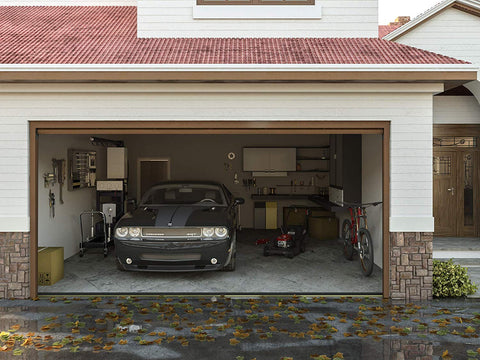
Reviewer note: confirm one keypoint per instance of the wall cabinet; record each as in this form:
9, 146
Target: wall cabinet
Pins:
269, 159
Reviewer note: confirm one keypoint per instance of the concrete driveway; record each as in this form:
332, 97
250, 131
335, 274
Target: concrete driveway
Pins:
241, 328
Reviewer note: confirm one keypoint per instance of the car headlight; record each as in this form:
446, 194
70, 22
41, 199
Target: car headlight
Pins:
121, 232
221, 232
134, 232
208, 232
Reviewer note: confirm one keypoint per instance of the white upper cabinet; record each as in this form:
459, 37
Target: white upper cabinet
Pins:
257, 18
269, 159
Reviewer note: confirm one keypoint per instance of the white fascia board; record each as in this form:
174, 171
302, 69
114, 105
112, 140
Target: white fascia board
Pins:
268, 12
239, 67
428, 14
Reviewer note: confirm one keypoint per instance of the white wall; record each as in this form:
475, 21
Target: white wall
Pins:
203, 157
340, 18
407, 106
372, 186
456, 110
64, 229
453, 33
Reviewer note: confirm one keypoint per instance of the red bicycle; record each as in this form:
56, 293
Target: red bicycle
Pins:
357, 238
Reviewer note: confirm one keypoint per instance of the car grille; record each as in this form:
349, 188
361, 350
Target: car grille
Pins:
172, 233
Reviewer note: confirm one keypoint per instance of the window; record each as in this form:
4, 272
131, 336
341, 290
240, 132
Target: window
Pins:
255, 2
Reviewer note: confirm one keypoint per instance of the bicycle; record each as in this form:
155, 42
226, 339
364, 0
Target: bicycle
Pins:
358, 238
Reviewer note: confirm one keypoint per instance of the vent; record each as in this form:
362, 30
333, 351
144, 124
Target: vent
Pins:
190, 233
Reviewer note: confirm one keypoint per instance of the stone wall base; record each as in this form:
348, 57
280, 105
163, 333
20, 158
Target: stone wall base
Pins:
411, 266
14, 265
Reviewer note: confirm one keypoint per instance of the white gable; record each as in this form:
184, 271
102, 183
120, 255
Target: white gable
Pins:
452, 32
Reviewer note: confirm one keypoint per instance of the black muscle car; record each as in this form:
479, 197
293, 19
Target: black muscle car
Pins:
179, 226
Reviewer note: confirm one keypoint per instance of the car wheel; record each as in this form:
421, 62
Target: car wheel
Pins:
231, 265
119, 265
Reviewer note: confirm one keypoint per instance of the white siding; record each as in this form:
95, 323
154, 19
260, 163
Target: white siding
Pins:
411, 178
340, 18
456, 110
452, 32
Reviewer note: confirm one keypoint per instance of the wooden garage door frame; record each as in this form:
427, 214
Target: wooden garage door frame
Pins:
206, 127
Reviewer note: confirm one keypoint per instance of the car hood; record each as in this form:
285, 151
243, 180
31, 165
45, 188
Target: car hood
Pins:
176, 216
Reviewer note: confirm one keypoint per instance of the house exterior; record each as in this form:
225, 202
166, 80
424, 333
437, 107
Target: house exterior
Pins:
215, 67
451, 28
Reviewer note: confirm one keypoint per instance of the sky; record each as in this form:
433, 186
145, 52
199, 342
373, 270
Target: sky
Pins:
390, 9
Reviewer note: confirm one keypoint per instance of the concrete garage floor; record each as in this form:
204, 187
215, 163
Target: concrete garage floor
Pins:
322, 269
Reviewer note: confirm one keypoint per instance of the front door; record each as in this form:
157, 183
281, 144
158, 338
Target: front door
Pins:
444, 192
455, 194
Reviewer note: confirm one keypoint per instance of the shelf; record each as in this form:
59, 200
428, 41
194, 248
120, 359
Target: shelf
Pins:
296, 185
309, 158
311, 171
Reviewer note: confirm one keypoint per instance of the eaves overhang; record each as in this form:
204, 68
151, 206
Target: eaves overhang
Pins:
88, 73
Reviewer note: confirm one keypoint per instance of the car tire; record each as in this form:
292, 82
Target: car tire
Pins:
119, 265
231, 265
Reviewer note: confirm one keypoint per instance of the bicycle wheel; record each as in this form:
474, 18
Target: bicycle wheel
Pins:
366, 251
347, 239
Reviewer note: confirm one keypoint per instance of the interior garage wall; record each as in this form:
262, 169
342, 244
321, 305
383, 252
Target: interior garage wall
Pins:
372, 190
456, 110
204, 157
64, 229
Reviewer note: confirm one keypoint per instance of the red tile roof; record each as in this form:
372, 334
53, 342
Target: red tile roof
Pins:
384, 30
108, 35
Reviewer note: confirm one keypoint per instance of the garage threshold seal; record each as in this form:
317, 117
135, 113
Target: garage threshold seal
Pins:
195, 294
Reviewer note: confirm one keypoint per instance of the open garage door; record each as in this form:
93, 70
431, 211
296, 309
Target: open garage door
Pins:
283, 171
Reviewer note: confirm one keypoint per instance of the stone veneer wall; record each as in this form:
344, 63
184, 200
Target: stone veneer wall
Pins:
14, 265
411, 266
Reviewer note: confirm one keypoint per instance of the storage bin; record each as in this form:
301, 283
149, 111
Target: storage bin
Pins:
323, 227
50, 265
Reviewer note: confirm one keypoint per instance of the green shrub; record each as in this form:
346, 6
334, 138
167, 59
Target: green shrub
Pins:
451, 280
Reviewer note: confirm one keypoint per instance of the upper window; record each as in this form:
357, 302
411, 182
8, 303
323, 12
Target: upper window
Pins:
255, 2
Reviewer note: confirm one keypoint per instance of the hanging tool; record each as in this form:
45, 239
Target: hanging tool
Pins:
59, 170
51, 203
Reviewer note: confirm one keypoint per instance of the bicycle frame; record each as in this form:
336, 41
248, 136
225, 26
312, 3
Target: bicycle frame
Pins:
357, 214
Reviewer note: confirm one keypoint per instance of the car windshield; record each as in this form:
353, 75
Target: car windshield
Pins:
170, 194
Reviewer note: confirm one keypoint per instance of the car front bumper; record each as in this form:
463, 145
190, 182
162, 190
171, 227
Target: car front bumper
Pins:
173, 256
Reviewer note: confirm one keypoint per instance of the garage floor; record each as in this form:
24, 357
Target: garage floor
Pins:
321, 269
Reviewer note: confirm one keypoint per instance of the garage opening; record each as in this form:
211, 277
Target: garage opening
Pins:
89, 179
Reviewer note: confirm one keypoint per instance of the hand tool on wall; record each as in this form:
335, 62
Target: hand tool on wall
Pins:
59, 169
51, 203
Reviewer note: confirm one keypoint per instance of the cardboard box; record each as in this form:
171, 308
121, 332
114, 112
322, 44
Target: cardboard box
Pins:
50, 265
323, 228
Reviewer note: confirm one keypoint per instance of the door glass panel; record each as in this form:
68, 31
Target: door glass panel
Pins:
442, 165
468, 189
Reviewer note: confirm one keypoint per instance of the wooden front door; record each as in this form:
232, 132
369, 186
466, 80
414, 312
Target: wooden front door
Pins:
455, 194
445, 192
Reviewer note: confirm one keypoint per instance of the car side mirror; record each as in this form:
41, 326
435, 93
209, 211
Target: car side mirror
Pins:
239, 201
